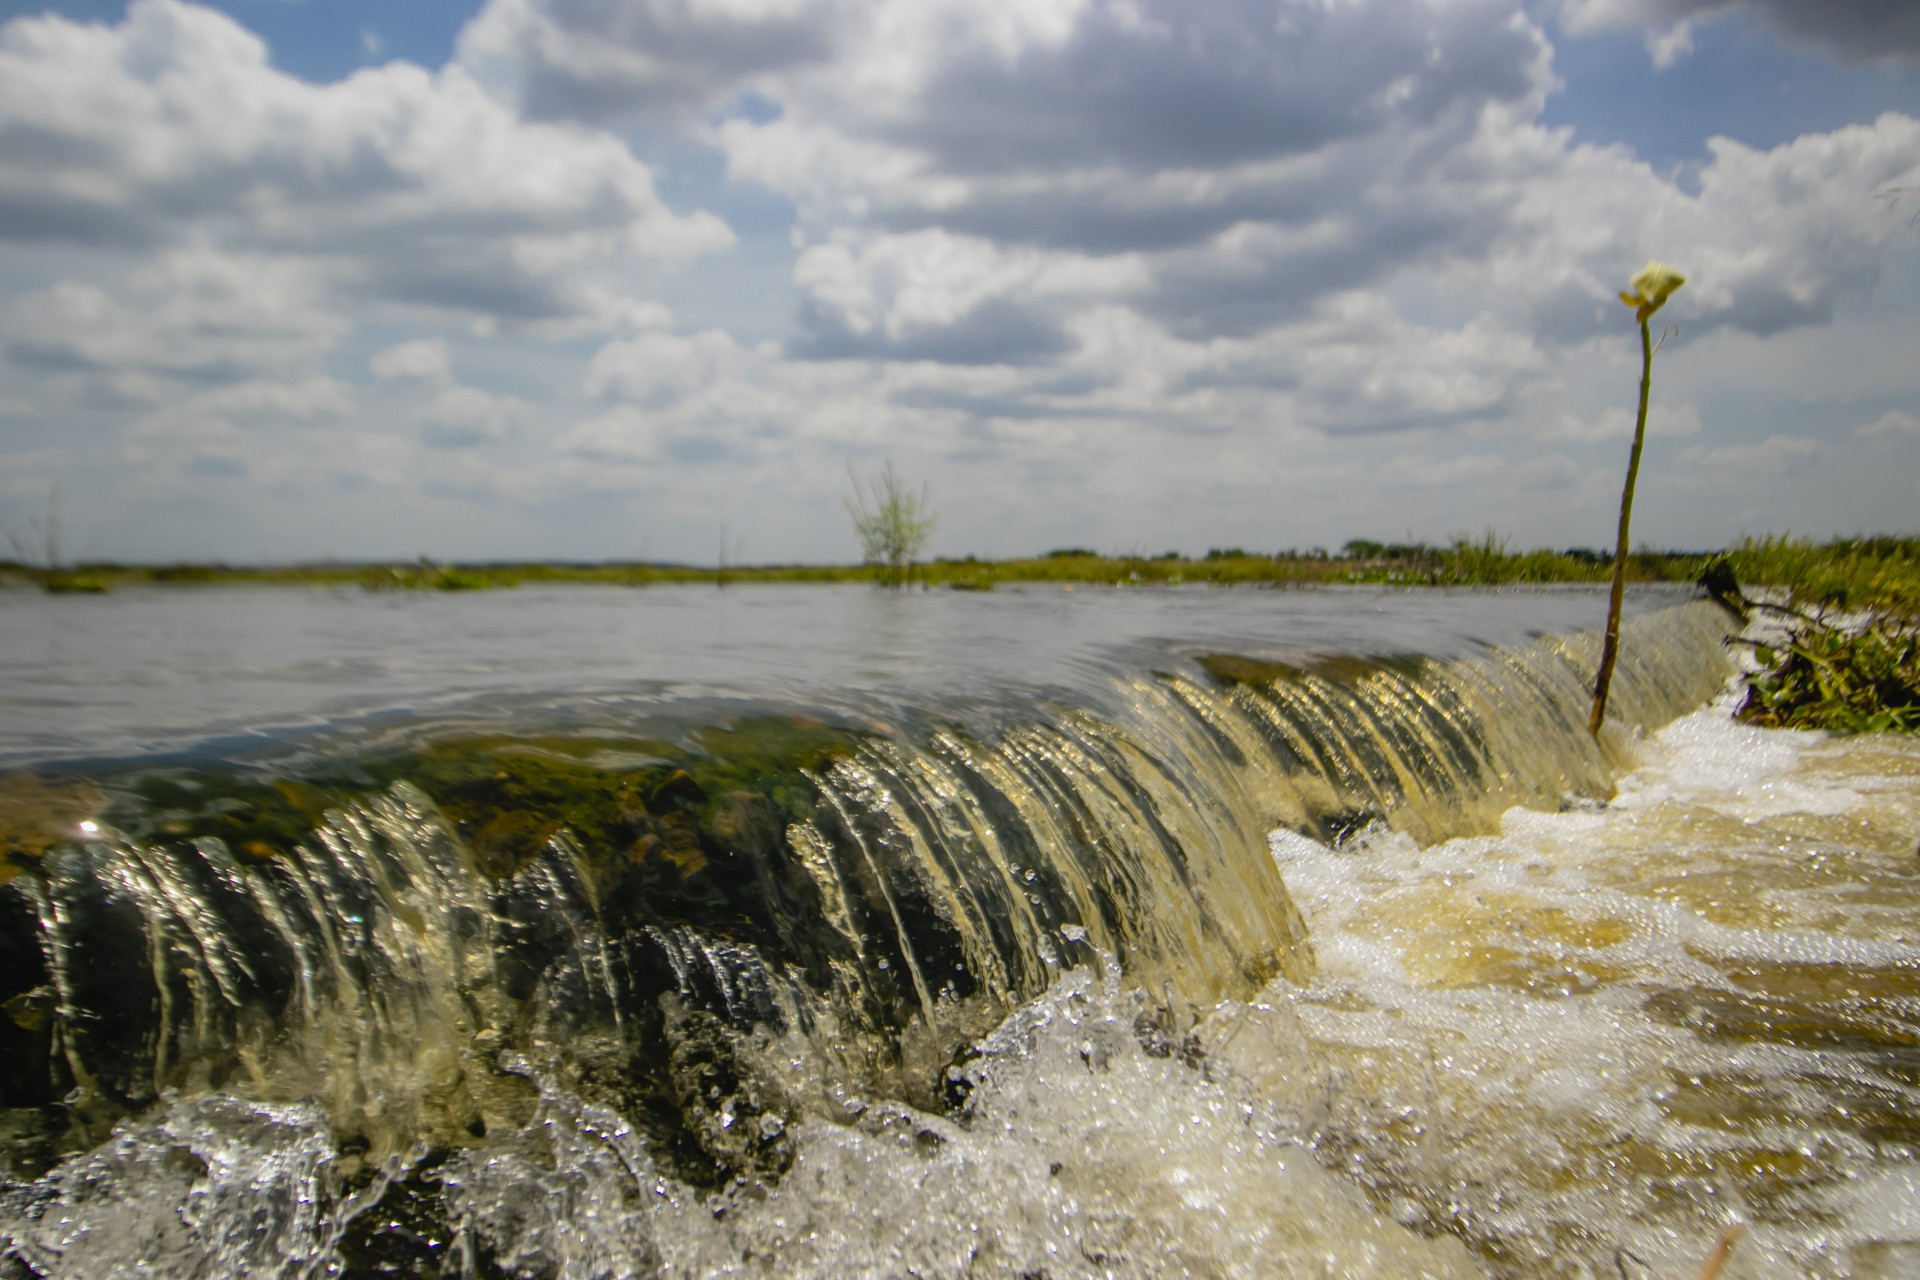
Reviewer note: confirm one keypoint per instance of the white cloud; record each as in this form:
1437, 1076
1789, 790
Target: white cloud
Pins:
25, 475
935, 295
407, 187
1897, 422
461, 417
191, 313
292, 435
1664, 422
1256, 271
1772, 240
421, 360
590, 59
657, 367
1868, 30
952, 159
312, 399
1776, 454
1364, 367
1475, 471
1670, 45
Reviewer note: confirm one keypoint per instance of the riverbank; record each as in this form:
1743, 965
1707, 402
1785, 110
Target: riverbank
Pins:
1462, 563
1876, 571
1837, 646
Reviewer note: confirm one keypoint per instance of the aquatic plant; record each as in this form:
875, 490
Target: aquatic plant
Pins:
1652, 286
1851, 658
893, 532
1845, 680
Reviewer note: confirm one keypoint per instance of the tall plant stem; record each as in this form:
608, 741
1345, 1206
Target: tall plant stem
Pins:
1610, 648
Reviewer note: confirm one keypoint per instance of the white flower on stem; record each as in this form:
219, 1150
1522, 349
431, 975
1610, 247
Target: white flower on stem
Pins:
1652, 285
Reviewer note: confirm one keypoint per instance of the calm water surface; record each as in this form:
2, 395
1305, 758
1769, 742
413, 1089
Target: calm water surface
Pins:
163, 669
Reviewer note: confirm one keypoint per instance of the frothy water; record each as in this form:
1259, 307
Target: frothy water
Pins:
1040, 998
1585, 1043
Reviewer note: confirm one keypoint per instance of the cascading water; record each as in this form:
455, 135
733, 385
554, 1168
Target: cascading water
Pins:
951, 1000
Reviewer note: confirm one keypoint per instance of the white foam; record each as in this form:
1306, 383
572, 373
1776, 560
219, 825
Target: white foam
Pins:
1599, 1035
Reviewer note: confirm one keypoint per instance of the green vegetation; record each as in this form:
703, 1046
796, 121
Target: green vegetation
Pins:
1462, 562
1875, 575
1865, 681
428, 576
38, 546
893, 532
1851, 658
1864, 573
61, 582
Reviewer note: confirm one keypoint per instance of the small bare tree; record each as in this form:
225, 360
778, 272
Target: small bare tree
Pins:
38, 546
894, 529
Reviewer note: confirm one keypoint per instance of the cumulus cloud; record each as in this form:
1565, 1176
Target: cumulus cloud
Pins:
705, 398
243, 430
1671, 45
1897, 422
312, 399
191, 313
657, 367
939, 296
1130, 265
1862, 30
408, 187
1117, 126
931, 164
1771, 240
1777, 453
462, 417
1473, 471
1664, 422
421, 360
596, 59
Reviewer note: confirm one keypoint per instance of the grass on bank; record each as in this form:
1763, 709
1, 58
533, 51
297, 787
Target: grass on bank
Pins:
1850, 662
1463, 562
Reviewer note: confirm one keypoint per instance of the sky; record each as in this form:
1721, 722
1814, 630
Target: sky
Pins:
611, 279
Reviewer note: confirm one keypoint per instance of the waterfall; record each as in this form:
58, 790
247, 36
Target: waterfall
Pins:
845, 925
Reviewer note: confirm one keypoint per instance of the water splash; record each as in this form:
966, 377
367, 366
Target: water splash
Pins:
1587, 1042
732, 1003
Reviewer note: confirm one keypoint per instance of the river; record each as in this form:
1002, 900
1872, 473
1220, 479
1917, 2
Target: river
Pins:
586, 932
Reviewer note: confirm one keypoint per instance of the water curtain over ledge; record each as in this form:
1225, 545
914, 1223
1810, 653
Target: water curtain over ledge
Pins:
703, 960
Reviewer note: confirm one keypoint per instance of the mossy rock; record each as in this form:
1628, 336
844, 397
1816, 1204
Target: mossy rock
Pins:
37, 813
